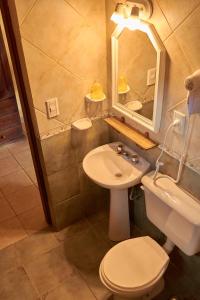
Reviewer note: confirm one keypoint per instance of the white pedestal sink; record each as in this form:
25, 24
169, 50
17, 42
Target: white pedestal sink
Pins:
113, 171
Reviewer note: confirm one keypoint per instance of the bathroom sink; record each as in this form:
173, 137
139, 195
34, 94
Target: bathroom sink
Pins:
113, 171
116, 167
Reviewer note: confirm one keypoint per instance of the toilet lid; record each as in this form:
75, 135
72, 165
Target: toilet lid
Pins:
134, 263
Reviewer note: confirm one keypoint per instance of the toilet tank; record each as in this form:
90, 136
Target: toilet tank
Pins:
175, 212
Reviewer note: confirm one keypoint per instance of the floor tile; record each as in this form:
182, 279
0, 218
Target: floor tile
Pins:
48, 270
18, 146
15, 285
4, 152
35, 245
30, 171
8, 165
24, 159
9, 259
24, 199
74, 288
33, 220
14, 181
93, 281
85, 250
72, 230
11, 231
6, 211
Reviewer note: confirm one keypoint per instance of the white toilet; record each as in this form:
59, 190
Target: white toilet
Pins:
134, 268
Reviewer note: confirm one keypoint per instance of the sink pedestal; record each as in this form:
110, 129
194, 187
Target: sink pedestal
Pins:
119, 223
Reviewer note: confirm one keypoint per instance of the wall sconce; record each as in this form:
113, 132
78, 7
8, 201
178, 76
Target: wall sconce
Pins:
130, 13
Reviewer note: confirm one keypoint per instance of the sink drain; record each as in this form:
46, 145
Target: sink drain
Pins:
118, 175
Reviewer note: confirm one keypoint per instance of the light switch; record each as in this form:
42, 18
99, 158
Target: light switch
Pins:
151, 76
52, 107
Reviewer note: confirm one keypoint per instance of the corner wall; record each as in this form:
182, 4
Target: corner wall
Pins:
64, 44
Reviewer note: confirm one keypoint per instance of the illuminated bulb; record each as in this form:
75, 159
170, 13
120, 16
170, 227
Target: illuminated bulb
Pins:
133, 23
117, 18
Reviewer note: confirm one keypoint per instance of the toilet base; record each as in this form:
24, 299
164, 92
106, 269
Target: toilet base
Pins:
149, 296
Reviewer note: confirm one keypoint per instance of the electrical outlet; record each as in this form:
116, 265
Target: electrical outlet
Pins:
180, 127
52, 107
151, 76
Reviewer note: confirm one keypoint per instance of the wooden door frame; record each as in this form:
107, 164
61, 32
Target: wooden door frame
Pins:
9, 15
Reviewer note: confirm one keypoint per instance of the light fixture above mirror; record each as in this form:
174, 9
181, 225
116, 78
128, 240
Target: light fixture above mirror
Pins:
129, 13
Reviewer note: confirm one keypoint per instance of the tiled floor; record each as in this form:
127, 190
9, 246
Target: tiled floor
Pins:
21, 212
56, 266
38, 264
64, 265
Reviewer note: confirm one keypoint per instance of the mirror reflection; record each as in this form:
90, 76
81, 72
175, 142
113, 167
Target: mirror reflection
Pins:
136, 72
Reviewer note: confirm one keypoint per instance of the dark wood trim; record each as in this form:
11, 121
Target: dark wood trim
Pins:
9, 16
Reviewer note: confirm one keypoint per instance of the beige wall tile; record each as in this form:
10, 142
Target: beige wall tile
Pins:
23, 8
69, 211
84, 141
65, 153
51, 80
178, 70
177, 11
159, 21
46, 125
188, 37
48, 26
64, 184
86, 55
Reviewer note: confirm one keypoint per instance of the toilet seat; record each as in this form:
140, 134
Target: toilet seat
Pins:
133, 265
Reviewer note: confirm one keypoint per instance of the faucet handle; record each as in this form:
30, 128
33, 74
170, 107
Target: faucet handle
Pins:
120, 149
135, 158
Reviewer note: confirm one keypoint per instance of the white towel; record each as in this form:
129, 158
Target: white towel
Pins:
192, 84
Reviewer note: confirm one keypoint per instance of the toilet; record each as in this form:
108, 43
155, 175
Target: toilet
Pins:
134, 268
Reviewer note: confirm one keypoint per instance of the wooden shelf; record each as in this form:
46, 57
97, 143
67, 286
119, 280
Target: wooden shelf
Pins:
130, 133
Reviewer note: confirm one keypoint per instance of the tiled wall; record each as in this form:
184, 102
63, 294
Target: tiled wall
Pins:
64, 43
72, 195
178, 24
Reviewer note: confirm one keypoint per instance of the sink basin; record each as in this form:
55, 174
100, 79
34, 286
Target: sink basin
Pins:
110, 170
118, 173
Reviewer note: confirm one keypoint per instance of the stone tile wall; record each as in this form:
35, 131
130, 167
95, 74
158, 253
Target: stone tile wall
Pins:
177, 23
71, 193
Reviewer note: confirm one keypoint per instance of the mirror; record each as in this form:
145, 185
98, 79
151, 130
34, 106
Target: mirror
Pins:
138, 69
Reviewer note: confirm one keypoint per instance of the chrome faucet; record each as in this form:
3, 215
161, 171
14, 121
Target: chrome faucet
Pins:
120, 149
134, 158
